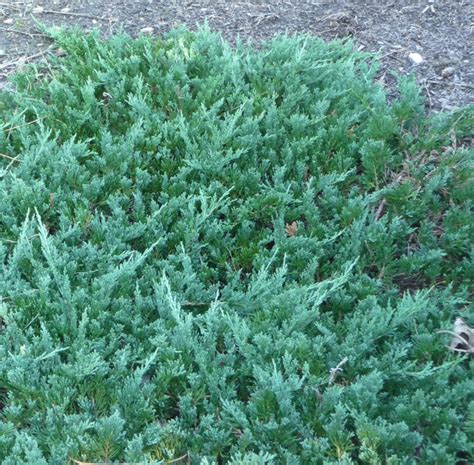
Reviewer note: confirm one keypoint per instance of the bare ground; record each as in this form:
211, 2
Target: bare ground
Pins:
440, 31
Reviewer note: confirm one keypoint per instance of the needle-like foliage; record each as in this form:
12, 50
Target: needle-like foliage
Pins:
230, 255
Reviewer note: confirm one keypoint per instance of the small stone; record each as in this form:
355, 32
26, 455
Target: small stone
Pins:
60, 52
416, 58
8, 21
2, 52
65, 10
37, 9
146, 30
448, 71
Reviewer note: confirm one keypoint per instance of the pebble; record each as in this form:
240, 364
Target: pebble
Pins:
37, 9
2, 52
146, 30
8, 21
416, 58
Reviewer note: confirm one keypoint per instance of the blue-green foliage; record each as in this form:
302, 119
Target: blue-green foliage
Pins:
194, 236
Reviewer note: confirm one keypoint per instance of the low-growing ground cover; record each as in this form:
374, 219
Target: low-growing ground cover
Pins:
218, 255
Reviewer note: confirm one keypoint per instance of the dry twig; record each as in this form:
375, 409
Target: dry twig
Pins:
69, 13
428, 93
334, 372
16, 31
455, 84
379, 212
266, 17
3, 155
24, 59
10, 5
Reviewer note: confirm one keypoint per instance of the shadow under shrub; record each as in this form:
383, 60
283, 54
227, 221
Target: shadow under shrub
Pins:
193, 239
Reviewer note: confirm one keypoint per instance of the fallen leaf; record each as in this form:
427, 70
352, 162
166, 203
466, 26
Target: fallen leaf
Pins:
291, 229
463, 337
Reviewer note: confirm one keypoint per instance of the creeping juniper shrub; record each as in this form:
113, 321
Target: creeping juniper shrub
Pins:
193, 239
